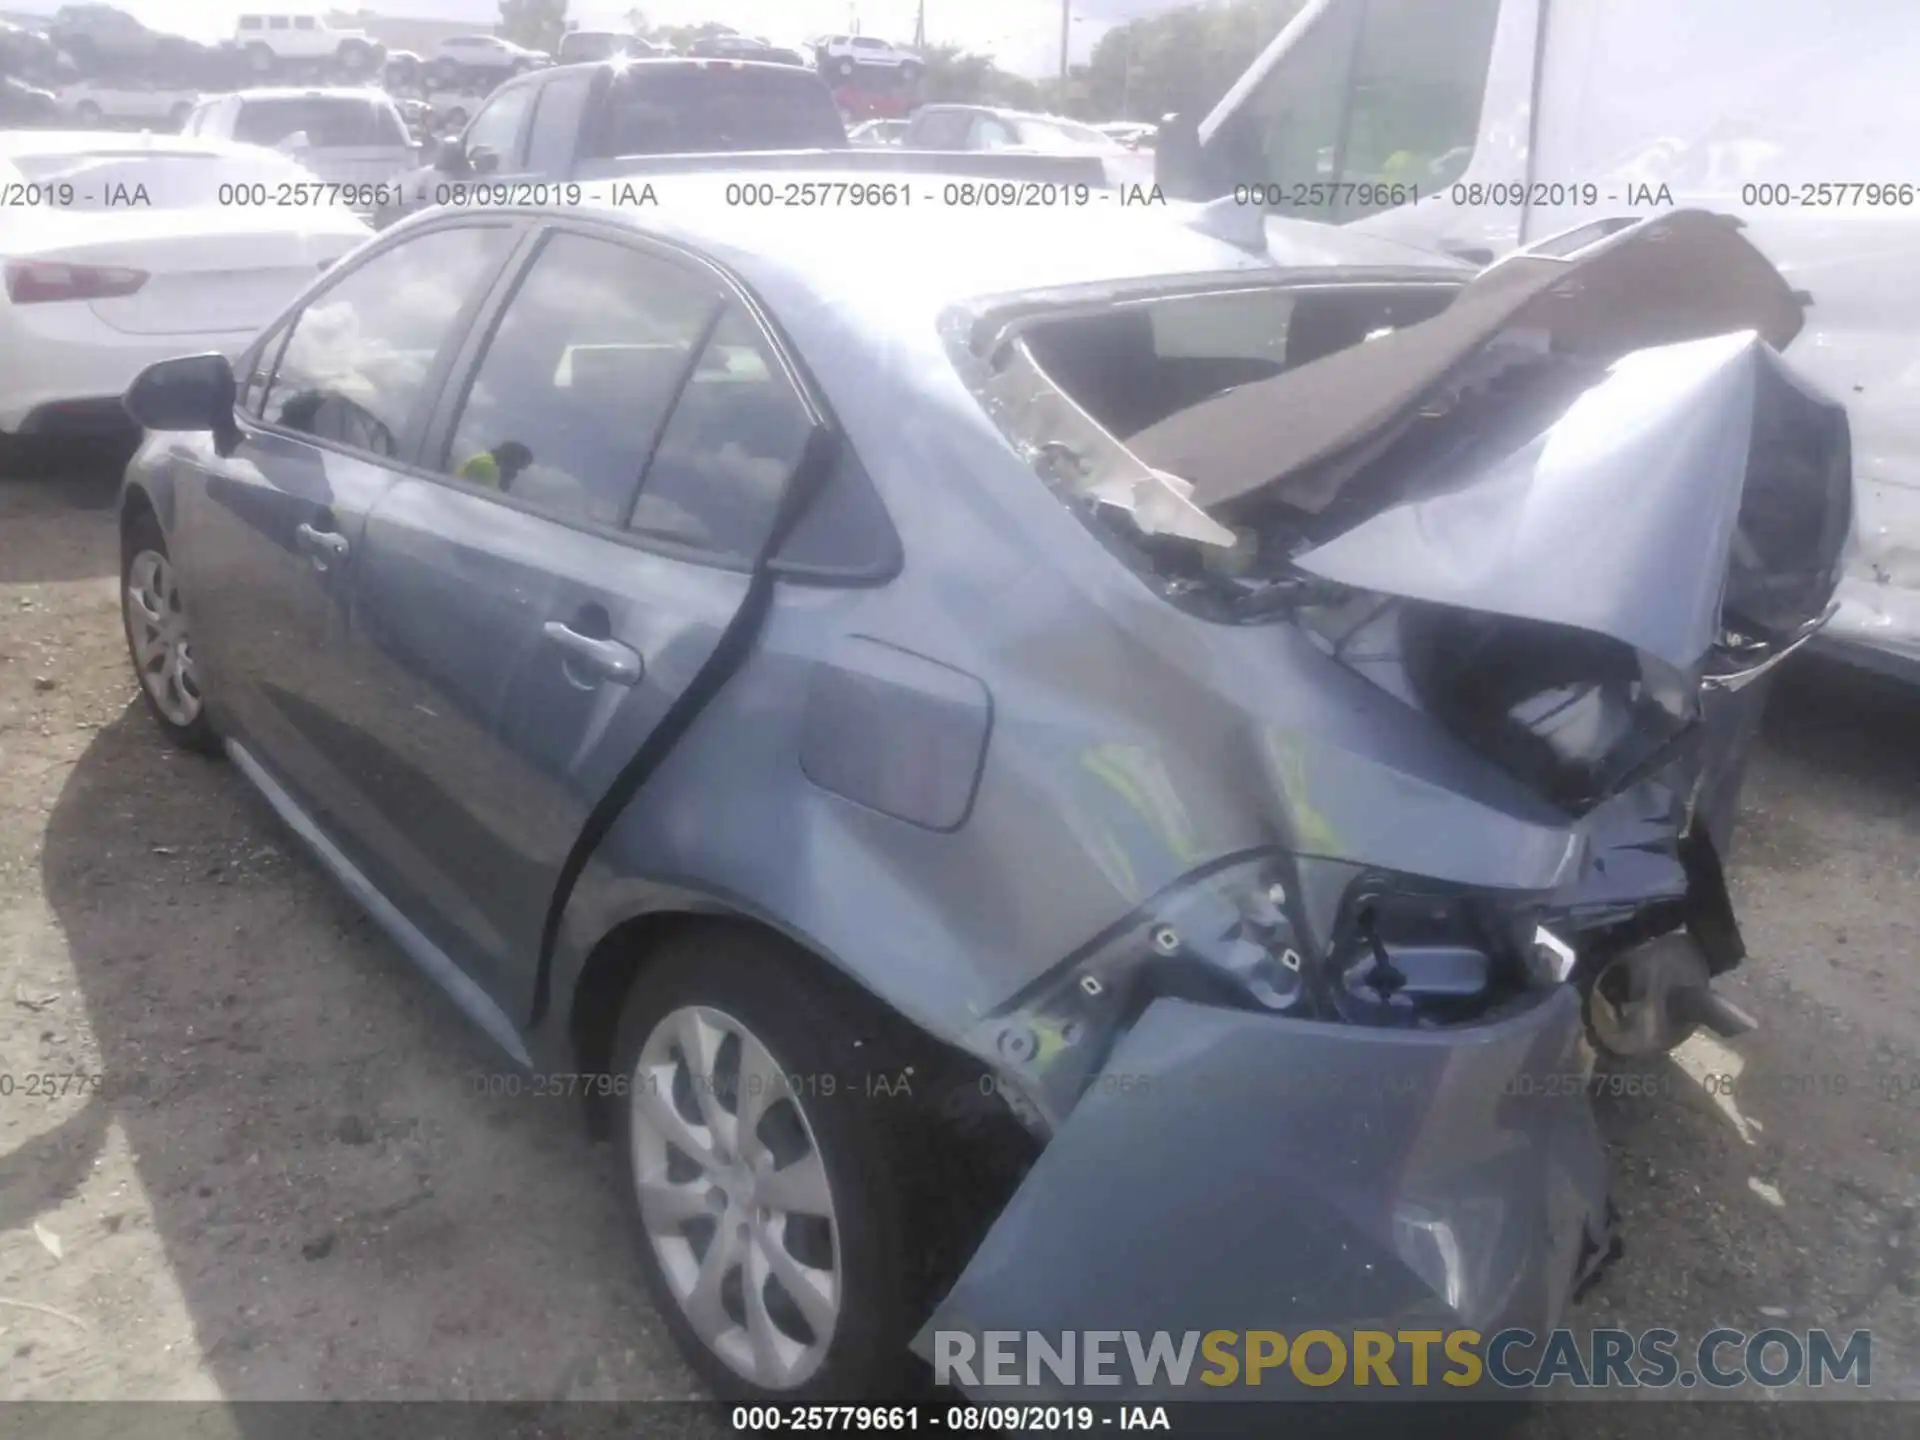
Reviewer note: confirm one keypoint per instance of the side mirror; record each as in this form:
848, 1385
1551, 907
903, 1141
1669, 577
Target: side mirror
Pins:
194, 392
1179, 163
482, 161
451, 158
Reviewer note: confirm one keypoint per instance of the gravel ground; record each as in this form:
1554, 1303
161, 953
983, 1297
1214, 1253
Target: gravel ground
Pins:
285, 1186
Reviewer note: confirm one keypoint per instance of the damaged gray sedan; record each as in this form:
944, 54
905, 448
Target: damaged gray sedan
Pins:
1101, 780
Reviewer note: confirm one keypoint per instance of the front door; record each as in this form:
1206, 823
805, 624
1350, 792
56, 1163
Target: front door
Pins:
611, 457
327, 418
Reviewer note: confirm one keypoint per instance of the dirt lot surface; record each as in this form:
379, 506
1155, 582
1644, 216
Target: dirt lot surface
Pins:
275, 1178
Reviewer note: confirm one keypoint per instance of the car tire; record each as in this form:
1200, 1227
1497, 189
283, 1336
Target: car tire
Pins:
354, 57
158, 642
848, 1342
843, 67
88, 112
260, 58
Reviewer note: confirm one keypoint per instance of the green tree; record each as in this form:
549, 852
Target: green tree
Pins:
1184, 60
537, 24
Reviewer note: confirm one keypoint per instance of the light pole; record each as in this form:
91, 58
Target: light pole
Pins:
1066, 29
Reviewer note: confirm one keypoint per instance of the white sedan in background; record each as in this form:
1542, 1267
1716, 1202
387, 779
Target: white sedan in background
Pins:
133, 248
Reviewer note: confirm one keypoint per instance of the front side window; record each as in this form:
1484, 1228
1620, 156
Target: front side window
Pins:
942, 129
556, 124
277, 22
1385, 91
495, 131
357, 361
303, 22
577, 377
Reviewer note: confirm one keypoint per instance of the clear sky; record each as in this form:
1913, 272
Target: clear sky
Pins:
1024, 35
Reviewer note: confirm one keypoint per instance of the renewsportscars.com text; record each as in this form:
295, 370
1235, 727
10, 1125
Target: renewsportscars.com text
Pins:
1510, 1359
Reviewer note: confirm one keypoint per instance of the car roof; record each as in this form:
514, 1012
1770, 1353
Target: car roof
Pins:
849, 257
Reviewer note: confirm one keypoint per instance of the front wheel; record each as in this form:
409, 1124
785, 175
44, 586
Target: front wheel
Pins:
158, 640
768, 1189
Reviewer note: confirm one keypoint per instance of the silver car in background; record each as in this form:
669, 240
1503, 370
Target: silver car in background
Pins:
1085, 782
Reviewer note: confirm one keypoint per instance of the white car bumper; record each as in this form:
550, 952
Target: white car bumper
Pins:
58, 362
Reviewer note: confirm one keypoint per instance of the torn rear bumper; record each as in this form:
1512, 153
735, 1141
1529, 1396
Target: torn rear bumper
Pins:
1238, 1171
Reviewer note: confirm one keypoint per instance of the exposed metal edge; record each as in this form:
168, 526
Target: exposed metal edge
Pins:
469, 997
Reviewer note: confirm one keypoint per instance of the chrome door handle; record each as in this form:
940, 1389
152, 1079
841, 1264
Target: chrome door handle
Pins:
608, 659
321, 542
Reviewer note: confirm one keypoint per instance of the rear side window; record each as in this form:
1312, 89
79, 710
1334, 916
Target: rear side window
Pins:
730, 448
357, 361
682, 109
578, 376
326, 121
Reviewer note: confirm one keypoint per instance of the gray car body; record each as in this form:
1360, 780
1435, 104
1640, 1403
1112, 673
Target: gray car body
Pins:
946, 778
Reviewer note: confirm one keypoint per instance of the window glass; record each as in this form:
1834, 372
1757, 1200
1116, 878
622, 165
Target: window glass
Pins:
686, 109
277, 22
324, 120
1386, 91
942, 129
577, 377
1240, 325
556, 124
729, 448
496, 129
303, 22
358, 359
991, 133
1418, 83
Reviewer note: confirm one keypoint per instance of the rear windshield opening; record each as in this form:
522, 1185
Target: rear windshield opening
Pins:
1133, 366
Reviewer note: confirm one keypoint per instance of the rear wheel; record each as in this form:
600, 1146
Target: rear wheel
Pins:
87, 111
260, 59
769, 1189
158, 640
353, 57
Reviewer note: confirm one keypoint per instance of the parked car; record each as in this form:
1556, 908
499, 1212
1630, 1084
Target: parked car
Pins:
581, 45
132, 248
270, 40
878, 132
853, 714
103, 40
126, 103
478, 59
345, 137
743, 47
580, 122
986, 127
30, 56
26, 105
402, 70
1427, 153
844, 54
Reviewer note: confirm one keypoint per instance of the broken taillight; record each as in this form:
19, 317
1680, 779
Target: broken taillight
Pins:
39, 282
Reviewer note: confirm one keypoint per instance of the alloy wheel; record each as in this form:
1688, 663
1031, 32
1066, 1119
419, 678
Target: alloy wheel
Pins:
734, 1196
162, 648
